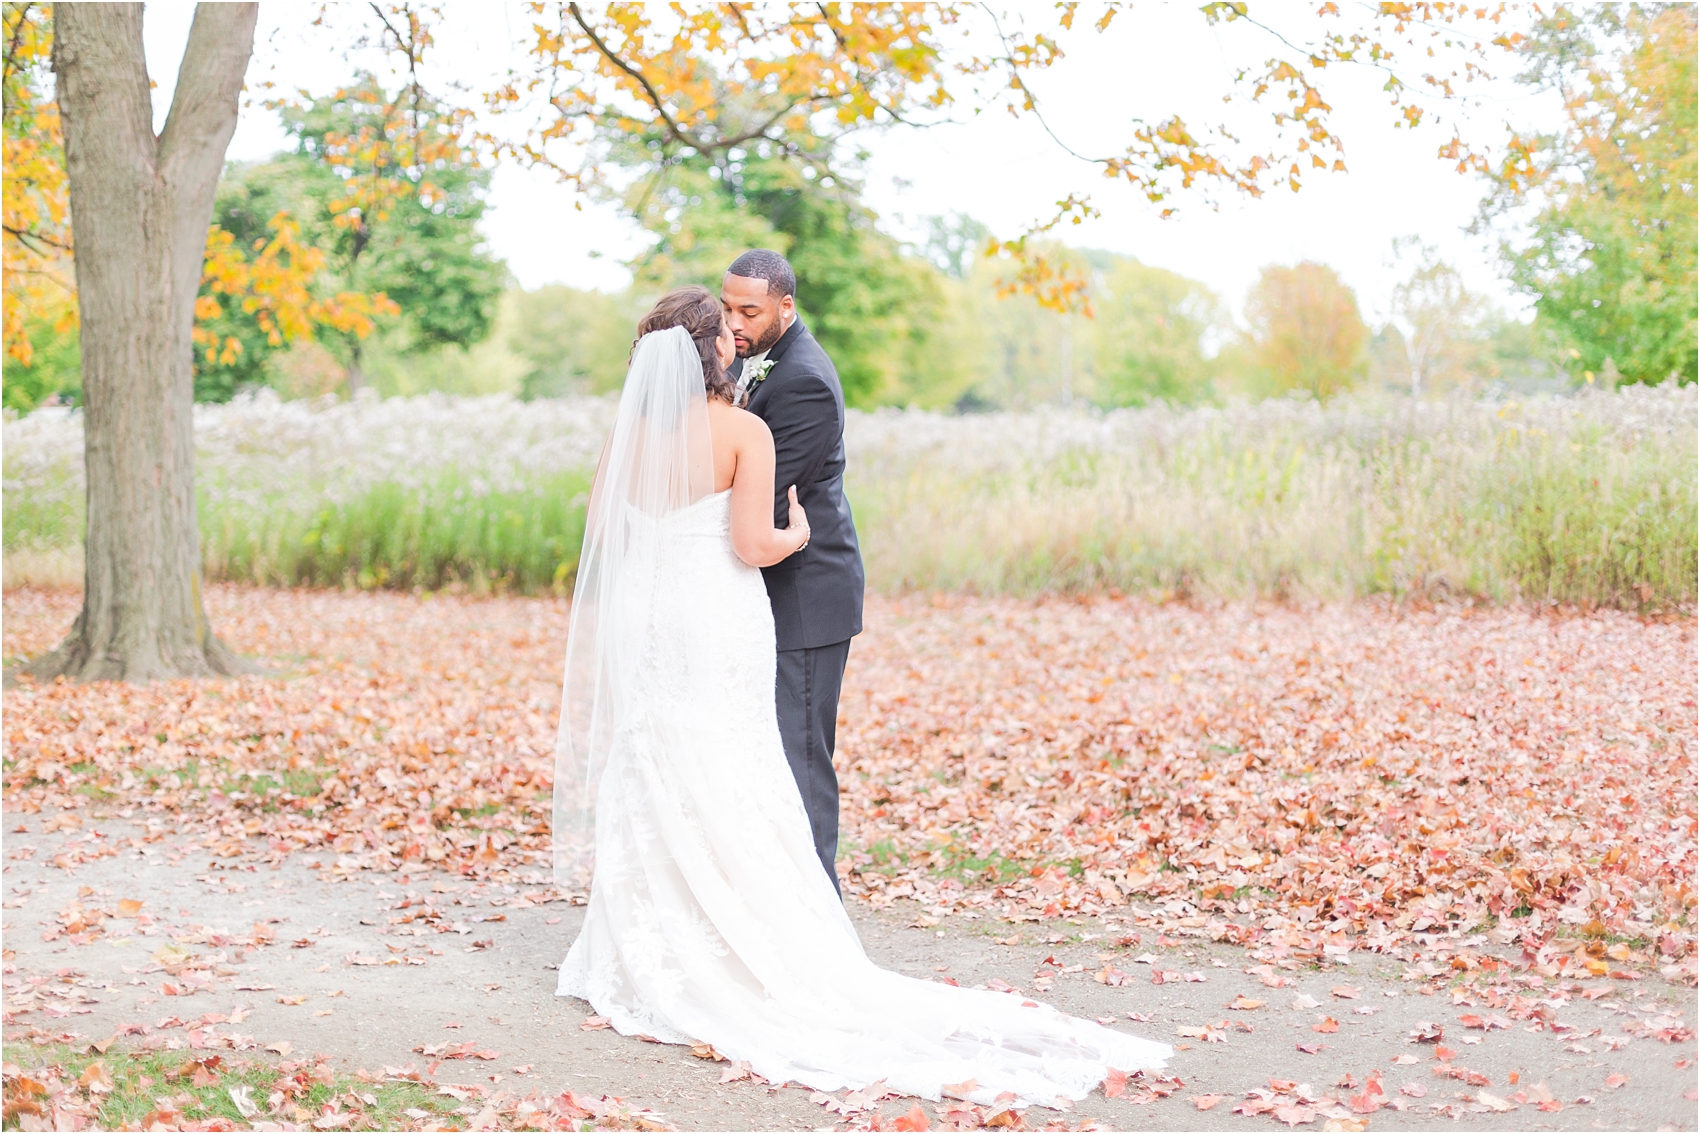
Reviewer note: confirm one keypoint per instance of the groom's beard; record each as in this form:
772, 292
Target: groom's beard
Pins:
768, 338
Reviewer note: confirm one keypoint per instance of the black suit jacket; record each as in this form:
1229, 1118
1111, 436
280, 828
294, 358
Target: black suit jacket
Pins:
817, 592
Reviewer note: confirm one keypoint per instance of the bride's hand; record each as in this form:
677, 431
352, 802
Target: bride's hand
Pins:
799, 521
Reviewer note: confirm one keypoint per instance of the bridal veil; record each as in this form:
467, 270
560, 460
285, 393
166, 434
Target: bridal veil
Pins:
657, 462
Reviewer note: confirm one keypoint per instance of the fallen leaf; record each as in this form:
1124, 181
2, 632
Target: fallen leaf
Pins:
737, 1072
916, 1119
241, 1097
1327, 1026
1244, 1004
95, 1077
1205, 1102
1494, 1102
1616, 1080
597, 1023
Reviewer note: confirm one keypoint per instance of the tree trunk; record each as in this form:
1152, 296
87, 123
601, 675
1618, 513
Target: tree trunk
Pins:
356, 374
140, 207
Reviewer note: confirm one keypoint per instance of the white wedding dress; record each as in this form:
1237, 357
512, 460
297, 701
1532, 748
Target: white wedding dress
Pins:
709, 917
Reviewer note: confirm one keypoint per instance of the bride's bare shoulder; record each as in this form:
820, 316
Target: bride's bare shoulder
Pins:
740, 423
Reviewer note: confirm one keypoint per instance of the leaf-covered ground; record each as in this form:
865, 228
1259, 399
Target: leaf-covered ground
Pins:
1340, 776
1353, 769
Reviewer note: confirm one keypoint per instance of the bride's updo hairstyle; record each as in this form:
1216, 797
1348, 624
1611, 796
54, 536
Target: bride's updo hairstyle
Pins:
698, 312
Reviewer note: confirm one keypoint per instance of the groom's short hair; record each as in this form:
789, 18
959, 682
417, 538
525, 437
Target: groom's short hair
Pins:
762, 264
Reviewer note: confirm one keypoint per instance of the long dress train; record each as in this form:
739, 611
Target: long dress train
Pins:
709, 918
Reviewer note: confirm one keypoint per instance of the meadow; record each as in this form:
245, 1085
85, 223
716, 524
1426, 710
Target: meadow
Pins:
1586, 499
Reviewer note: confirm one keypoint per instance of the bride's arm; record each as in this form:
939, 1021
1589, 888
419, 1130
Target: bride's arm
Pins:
754, 537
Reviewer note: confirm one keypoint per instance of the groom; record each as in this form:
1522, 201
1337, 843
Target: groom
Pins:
786, 379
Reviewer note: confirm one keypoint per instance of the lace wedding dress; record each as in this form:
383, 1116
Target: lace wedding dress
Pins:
709, 918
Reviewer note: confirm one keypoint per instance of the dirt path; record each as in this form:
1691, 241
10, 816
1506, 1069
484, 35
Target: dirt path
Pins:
346, 974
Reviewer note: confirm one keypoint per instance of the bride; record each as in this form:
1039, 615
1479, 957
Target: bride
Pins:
709, 918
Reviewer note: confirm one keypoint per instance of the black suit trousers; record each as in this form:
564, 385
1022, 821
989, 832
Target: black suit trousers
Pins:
806, 693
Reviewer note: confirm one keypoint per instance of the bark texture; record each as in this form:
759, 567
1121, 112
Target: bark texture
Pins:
140, 207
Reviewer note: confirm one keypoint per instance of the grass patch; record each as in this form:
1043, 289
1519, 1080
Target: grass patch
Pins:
298, 782
134, 1090
947, 860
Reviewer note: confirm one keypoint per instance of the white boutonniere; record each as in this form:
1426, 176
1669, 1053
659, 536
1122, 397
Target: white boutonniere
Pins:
752, 377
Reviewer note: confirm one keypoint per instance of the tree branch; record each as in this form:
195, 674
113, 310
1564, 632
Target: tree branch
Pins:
679, 133
861, 71
637, 76
1032, 99
411, 45
29, 239
21, 15
209, 83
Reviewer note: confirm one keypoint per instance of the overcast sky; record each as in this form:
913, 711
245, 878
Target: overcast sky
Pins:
1005, 173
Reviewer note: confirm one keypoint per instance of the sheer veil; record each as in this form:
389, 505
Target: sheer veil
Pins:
657, 461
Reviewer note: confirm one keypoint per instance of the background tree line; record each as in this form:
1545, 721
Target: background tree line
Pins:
1608, 257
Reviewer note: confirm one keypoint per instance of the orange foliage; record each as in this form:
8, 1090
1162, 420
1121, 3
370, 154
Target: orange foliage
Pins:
727, 75
38, 260
1306, 332
275, 288
34, 205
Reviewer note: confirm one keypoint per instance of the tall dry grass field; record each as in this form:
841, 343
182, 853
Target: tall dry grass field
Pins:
1583, 499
